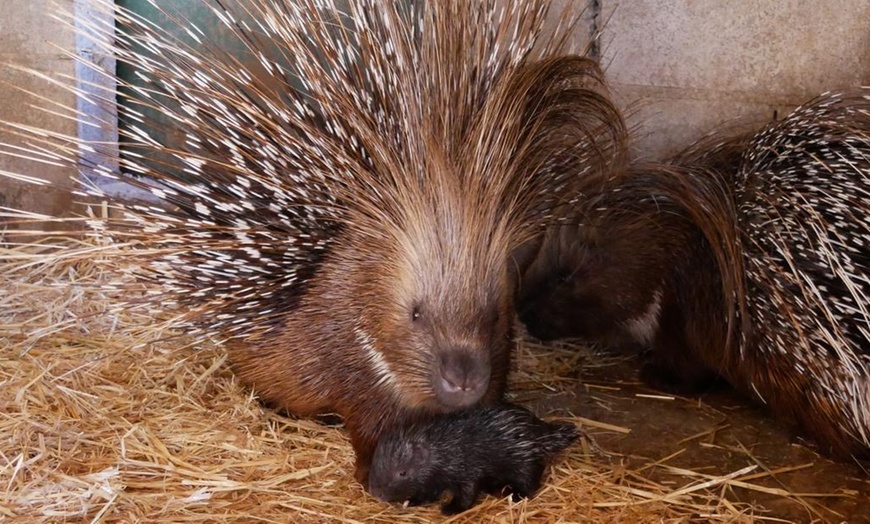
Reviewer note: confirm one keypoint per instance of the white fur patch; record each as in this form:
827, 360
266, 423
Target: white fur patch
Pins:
375, 357
643, 328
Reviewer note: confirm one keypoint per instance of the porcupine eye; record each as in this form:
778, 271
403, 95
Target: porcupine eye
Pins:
416, 313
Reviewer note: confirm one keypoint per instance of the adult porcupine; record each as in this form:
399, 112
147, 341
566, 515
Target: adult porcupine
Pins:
349, 240
772, 233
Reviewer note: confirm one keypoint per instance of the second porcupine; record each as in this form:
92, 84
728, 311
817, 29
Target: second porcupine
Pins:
771, 231
341, 212
483, 448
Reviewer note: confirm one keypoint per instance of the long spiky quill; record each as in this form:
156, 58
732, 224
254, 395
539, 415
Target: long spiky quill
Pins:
334, 123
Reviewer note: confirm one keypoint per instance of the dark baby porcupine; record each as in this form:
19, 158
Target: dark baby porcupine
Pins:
338, 207
483, 448
748, 259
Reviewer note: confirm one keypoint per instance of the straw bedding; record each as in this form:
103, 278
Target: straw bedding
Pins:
108, 417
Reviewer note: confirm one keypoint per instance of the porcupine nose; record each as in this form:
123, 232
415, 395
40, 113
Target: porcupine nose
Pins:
462, 378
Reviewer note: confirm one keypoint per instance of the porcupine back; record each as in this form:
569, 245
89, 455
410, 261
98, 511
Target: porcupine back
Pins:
803, 197
341, 212
526, 435
478, 437
269, 172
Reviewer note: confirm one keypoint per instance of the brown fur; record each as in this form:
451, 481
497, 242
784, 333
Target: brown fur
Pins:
638, 273
316, 364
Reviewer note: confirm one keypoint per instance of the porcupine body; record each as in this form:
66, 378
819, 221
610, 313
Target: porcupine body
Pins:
341, 212
748, 260
483, 448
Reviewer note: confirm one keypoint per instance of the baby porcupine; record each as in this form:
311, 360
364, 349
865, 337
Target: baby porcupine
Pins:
339, 205
747, 259
483, 448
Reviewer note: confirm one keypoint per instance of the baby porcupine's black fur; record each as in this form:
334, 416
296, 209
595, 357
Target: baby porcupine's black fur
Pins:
485, 448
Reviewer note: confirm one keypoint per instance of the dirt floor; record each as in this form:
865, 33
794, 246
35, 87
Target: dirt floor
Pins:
717, 432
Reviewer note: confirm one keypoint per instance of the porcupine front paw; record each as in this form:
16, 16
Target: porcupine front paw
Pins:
463, 499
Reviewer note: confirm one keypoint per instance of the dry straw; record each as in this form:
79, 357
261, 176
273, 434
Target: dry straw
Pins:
110, 418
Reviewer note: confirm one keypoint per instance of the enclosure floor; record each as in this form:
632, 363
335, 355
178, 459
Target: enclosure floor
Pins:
729, 433
97, 430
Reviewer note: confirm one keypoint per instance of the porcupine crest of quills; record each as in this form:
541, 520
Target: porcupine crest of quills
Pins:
266, 180
371, 154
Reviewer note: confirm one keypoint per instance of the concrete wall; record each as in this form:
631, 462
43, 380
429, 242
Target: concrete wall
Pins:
26, 36
685, 67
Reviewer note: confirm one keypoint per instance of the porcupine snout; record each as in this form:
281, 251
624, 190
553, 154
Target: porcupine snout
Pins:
461, 377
